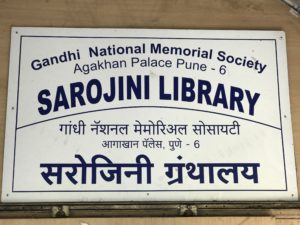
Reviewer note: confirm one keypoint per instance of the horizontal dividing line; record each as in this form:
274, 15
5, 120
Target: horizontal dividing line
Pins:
158, 38
153, 190
135, 107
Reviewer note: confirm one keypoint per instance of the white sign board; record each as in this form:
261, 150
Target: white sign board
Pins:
146, 115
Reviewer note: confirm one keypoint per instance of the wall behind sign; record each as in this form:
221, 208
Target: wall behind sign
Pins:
231, 14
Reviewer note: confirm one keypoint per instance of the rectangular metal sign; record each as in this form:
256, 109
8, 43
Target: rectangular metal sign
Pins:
146, 115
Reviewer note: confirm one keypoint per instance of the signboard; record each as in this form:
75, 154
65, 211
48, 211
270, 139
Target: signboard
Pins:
146, 115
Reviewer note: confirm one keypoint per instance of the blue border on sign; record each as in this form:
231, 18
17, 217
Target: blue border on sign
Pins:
155, 38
